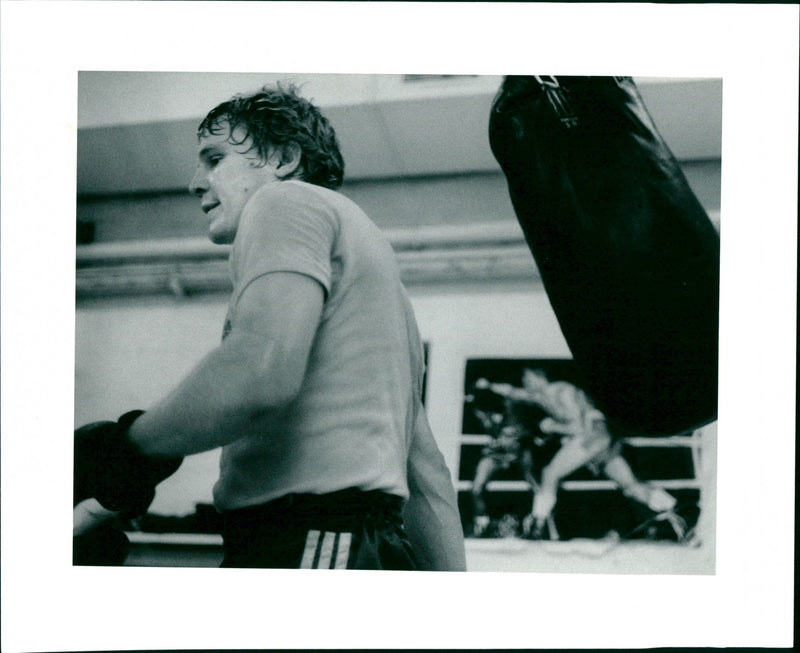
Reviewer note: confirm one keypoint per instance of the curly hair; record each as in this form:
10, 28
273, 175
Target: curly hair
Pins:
279, 118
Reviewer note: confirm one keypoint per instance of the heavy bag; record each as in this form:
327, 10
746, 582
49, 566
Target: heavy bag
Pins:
627, 255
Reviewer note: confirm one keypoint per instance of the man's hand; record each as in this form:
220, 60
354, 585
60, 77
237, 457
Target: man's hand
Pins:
111, 470
88, 515
552, 426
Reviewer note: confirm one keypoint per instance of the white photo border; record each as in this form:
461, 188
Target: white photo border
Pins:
49, 605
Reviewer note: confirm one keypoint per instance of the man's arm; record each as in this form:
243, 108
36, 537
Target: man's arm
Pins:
485, 418
431, 513
257, 370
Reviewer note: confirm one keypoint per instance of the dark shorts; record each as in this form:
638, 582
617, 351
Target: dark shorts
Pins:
349, 529
596, 464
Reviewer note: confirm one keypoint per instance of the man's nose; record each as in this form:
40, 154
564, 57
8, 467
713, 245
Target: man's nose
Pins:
198, 184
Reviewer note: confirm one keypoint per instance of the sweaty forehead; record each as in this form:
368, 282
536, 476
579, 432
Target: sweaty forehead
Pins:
207, 140
222, 138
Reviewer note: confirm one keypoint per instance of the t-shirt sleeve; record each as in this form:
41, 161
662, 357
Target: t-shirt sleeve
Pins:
286, 228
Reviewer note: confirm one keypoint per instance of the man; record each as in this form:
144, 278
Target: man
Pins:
314, 393
509, 447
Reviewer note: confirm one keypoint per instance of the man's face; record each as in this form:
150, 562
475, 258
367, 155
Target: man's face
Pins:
226, 177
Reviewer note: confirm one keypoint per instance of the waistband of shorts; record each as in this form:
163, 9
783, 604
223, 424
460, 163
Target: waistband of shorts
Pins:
348, 502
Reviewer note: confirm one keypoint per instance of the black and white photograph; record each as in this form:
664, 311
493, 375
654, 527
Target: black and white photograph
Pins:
361, 321
150, 284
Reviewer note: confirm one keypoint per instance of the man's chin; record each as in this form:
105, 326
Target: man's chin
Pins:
220, 237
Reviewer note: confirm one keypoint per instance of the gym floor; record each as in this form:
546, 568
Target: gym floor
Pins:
576, 556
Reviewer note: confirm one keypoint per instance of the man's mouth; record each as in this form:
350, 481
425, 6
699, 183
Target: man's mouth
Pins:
210, 206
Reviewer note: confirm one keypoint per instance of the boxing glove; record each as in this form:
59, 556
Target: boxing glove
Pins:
109, 468
103, 546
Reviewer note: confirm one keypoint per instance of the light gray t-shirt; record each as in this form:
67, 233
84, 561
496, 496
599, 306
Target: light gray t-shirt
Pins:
351, 423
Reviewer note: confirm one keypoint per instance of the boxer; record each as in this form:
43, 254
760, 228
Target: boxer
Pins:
315, 392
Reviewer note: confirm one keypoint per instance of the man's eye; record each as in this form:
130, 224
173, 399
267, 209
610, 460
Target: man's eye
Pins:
214, 160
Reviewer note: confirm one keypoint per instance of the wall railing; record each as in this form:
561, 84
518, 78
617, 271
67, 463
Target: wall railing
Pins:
472, 253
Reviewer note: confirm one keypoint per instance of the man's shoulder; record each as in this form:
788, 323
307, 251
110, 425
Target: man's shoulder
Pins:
301, 194
292, 190
299, 201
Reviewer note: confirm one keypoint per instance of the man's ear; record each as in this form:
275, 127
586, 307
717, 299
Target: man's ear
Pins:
289, 160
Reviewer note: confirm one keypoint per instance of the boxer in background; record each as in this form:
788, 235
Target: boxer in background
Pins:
585, 441
315, 392
510, 447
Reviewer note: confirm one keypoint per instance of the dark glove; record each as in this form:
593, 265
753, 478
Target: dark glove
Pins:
103, 546
109, 468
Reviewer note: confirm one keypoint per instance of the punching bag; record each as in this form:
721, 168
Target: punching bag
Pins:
627, 255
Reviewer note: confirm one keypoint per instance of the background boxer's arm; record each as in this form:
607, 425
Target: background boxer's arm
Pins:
431, 514
257, 369
488, 424
502, 389
552, 426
